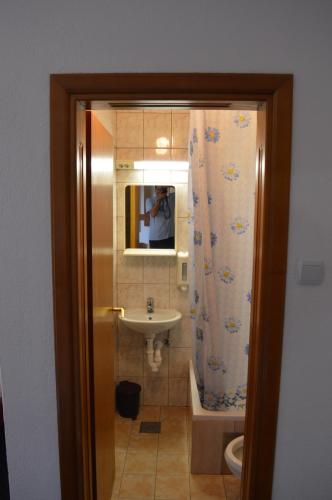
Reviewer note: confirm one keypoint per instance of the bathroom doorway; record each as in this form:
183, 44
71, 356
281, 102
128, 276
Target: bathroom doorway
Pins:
77, 412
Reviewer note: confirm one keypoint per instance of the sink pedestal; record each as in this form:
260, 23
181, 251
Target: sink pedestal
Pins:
154, 353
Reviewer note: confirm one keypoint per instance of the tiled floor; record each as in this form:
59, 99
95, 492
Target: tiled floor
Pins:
156, 466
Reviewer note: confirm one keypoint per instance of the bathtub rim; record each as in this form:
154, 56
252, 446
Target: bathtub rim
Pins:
200, 413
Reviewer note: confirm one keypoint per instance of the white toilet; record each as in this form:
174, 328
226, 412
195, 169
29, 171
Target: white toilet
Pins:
234, 455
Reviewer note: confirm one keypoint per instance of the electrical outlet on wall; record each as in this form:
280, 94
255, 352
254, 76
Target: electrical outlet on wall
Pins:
124, 165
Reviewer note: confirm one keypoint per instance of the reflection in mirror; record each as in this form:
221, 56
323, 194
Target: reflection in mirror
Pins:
150, 217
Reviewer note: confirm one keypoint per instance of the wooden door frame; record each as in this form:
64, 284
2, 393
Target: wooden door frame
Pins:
72, 359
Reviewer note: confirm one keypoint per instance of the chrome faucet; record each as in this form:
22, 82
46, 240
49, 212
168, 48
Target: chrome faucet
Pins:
149, 305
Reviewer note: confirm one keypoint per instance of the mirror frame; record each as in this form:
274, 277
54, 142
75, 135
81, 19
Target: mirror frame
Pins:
150, 252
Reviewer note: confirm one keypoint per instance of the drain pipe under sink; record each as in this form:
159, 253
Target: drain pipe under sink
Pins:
154, 353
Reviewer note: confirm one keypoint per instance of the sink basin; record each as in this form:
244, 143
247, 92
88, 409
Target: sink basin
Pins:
150, 323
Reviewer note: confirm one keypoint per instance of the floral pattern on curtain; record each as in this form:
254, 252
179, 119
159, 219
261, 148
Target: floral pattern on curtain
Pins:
222, 184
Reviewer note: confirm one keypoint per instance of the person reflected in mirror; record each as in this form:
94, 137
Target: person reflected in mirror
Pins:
161, 209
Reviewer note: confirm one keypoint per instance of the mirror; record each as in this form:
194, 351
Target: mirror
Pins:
150, 218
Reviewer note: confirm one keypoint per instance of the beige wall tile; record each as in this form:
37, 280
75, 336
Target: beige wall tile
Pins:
120, 199
181, 191
180, 300
120, 233
130, 268
129, 154
137, 486
137, 281
155, 391
178, 393
128, 339
156, 270
172, 275
180, 128
156, 126
182, 234
131, 295
131, 362
159, 111
129, 129
129, 176
181, 334
172, 487
179, 362
179, 154
160, 294
159, 154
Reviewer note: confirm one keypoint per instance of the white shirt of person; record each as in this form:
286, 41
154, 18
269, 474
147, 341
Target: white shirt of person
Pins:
162, 225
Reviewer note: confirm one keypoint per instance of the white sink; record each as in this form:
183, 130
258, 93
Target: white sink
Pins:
150, 323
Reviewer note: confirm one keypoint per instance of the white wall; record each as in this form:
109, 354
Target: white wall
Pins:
42, 37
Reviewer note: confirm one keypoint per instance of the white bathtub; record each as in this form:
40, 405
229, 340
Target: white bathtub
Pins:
200, 413
211, 433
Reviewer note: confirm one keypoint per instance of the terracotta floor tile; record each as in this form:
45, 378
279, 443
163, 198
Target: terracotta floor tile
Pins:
232, 487
116, 485
136, 427
121, 440
123, 426
172, 464
120, 457
149, 413
173, 426
137, 486
172, 444
203, 487
172, 487
173, 411
143, 443
140, 463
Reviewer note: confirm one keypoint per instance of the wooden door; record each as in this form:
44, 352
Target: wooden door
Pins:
102, 296
255, 342
85, 486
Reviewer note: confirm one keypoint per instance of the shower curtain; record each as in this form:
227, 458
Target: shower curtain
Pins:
222, 184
